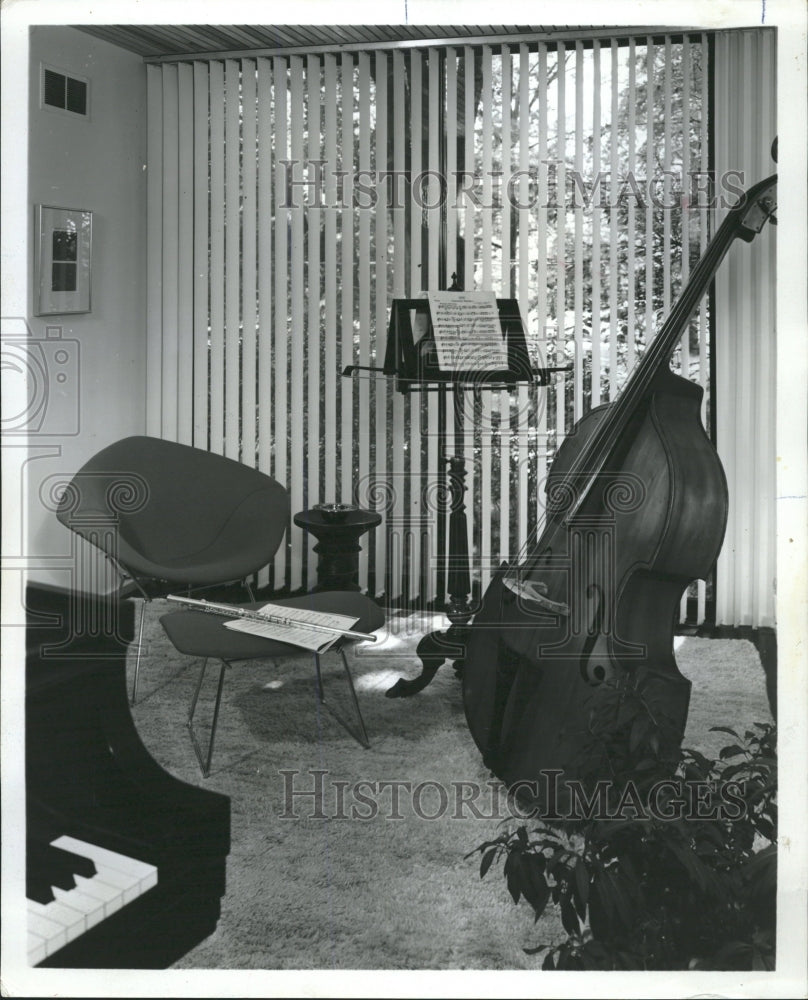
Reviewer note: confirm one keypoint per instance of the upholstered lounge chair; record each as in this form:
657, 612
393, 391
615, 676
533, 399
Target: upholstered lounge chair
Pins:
172, 517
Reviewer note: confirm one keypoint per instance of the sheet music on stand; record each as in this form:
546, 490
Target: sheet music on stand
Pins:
458, 339
468, 331
296, 636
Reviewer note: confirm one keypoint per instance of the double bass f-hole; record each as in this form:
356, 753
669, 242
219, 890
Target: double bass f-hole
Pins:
594, 665
538, 666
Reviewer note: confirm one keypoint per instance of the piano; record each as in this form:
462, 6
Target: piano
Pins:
125, 864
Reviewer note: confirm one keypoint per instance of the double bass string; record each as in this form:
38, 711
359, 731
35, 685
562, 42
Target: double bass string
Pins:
592, 457
589, 463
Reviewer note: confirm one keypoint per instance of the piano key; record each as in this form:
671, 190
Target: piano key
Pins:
112, 877
71, 919
75, 706
53, 932
77, 864
47, 866
92, 908
110, 896
47, 934
100, 855
37, 952
118, 880
131, 884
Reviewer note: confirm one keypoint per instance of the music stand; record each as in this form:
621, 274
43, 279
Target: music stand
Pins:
415, 368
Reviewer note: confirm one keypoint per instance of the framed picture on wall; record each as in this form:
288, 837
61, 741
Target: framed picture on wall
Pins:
63, 239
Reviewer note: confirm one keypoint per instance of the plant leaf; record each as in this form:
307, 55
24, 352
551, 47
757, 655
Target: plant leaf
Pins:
581, 886
538, 892
623, 903
640, 729
569, 918
513, 875
486, 861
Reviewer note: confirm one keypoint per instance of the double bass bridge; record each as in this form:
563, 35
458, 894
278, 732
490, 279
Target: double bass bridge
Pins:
535, 592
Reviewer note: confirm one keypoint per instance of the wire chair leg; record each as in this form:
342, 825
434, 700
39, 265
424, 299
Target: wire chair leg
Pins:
364, 739
360, 733
205, 757
133, 696
320, 689
198, 688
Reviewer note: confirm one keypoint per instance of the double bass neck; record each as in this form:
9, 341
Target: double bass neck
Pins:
744, 220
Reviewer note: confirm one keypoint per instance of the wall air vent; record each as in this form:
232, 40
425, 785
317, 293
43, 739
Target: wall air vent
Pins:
61, 92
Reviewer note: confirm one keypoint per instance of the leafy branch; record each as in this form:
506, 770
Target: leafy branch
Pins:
669, 890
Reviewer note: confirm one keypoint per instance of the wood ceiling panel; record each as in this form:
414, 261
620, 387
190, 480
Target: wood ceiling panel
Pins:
172, 40
176, 41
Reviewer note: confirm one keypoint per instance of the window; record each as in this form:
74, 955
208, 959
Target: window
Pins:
291, 198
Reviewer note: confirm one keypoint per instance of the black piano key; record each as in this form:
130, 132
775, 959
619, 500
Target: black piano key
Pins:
48, 866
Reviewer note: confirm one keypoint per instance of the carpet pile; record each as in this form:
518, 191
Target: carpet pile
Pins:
347, 858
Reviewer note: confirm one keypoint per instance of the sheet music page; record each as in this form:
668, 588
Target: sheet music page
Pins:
468, 332
297, 635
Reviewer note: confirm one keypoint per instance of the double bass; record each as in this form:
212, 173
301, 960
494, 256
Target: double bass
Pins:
636, 509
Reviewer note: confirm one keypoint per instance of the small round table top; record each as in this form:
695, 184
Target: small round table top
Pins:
357, 518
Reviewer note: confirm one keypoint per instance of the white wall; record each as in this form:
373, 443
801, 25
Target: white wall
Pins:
96, 164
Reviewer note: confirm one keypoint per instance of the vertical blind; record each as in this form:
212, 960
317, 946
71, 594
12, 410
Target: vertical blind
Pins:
291, 198
745, 332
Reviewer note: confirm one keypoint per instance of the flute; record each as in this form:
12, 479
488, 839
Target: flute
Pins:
210, 608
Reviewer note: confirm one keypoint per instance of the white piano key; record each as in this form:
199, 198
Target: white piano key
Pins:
129, 884
93, 909
37, 951
100, 855
149, 880
71, 919
53, 933
118, 880
146, 881
112, 876
110, 896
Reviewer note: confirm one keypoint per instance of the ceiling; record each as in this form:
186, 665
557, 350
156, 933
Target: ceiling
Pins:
169, 42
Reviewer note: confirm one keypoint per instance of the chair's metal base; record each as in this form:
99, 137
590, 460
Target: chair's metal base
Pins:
147, 600
133, 696
361, 736
204, 757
